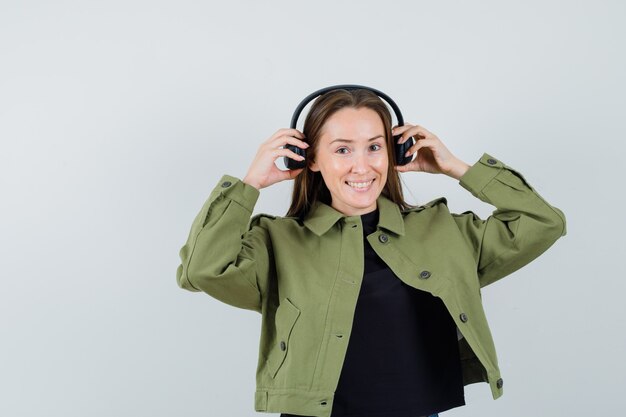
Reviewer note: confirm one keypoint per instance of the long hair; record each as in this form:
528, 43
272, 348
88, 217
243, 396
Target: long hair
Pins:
309, 186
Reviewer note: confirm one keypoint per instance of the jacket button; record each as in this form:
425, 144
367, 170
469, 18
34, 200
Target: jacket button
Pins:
283, 346
226, 184
424, 274
463, 317
383, 238
491, 161
499, 383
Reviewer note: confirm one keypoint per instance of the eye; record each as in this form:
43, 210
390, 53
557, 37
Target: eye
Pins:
376, 144
340, 149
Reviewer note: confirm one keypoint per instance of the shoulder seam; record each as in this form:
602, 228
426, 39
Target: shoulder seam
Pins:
255, 219
437, 200
429, 204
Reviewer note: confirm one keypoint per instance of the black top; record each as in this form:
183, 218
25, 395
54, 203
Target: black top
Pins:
402, 358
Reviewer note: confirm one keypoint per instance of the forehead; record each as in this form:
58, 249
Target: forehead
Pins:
353, 124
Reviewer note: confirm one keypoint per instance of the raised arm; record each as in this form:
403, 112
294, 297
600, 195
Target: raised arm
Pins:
222, 256
522, 227
228, 253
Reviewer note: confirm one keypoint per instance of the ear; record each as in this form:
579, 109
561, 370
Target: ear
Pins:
314, 167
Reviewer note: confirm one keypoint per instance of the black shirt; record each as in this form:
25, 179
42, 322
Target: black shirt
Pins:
402, 358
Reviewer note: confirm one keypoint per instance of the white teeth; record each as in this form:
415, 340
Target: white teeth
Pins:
359, 184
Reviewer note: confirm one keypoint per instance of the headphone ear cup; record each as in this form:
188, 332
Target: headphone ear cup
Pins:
401, 148
292, 163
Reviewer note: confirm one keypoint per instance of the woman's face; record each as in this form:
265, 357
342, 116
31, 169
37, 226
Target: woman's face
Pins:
352, 158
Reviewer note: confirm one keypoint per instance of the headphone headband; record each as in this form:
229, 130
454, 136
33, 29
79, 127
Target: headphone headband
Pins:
349, 87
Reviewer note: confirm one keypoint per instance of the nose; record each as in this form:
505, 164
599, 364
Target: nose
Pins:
361, 162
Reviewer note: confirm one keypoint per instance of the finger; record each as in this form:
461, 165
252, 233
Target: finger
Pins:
289, 130
288, 153
397, 130
293, 173
405, 132
288, 174
427, 142
423, 130
282, 140
417, 132
286, 131
410, 166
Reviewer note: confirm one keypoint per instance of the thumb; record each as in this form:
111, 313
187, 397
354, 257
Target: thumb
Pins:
292, 173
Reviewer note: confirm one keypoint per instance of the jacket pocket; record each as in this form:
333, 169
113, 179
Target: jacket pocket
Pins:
286, 316
513, 179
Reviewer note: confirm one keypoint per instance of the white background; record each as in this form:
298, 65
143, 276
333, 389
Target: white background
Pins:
118, 118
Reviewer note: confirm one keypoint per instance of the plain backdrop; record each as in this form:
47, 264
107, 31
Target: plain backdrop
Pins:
118, 118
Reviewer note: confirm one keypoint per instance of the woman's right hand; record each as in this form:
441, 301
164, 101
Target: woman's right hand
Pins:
263, 171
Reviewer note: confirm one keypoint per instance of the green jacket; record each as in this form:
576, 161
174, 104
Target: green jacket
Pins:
304, 277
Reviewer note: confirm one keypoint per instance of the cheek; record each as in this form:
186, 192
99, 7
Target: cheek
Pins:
381, 164
382, 169
333, 171
338, 166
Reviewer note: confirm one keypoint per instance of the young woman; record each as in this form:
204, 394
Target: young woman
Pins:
370, 307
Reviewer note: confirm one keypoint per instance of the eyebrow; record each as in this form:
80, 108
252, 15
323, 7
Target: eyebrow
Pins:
350, 140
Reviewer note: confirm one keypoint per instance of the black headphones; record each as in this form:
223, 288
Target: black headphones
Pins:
399, 149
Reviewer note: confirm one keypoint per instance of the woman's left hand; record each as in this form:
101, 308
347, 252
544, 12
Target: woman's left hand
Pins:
432, 155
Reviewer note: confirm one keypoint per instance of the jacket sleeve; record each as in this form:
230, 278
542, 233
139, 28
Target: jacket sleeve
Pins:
223, 256
521, 228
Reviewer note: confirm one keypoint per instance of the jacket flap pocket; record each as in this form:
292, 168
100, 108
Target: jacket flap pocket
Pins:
513, 179
286, 316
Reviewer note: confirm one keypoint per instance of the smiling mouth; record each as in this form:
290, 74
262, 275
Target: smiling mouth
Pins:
360, 185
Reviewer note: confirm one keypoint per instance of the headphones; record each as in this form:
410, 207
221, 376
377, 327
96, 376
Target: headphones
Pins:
399, 149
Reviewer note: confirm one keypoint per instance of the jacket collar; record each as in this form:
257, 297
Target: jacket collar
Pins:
322, 217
